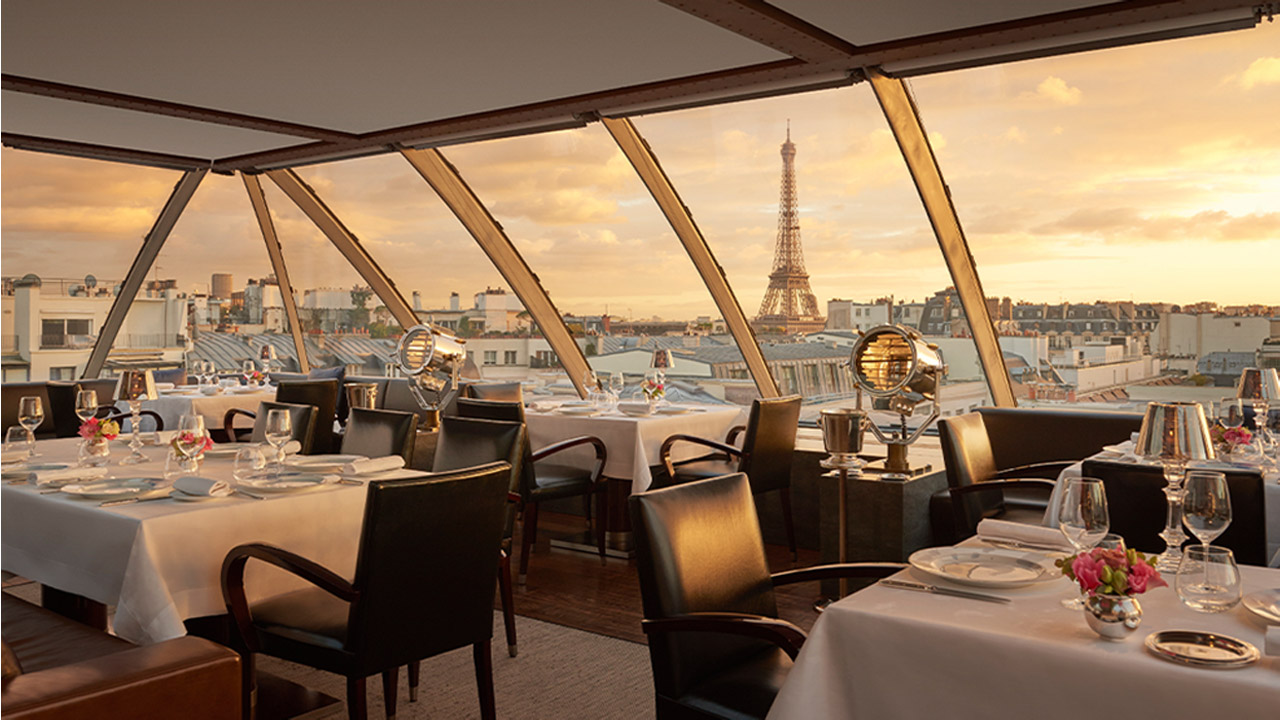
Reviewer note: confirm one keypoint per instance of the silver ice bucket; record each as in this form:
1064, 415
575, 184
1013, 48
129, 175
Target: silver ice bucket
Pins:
362, 395
842, 430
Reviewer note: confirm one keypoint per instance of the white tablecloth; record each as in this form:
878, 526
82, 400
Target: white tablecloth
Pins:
887, 653
1270, 493
159, 562
632, 442
172, 406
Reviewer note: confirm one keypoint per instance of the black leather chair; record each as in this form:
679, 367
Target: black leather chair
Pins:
508, 391
1006, 451
62, 404
716, 644
321, 394
1136, 505
544, 480
375, 433
765, 455
464, 442
11, 395
302, 419
423, 585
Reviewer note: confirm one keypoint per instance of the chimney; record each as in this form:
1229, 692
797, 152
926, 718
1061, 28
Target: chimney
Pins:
454, 302
417, 301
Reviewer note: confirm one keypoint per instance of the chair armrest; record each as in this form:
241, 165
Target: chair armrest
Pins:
233, 581
1042, 470
189, 677
1002, 485
602, 452
786, 636
665, 451
731, 437
836, 571
228, 421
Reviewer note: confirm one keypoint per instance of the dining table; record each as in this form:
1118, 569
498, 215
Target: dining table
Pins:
210, 402
633, 440
159, 561
886, 652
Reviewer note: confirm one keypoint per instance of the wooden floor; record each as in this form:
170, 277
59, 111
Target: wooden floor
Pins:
571, 588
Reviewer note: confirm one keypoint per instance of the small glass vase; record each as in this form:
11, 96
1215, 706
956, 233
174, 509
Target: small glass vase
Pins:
1114, 617
95, 452
177, 464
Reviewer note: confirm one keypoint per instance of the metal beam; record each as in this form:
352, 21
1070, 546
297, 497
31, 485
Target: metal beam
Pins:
900, 112
653, 177
151, 245
445, 179
72, 148
767, 25
260, 210
310, 204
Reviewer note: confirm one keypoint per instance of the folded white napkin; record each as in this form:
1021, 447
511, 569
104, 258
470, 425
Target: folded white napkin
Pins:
165, 386
366, 466
1273, 641
1005, 530
542, 406
71, 474
193, 485
635, 408
293, 447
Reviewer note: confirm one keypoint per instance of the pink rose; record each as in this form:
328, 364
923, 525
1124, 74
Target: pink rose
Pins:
1113, 558
1087, 572
89, 428
1142, 577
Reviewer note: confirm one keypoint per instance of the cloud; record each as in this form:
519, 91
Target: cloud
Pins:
1263, 71
1015, 135
1128, 225
1056, 90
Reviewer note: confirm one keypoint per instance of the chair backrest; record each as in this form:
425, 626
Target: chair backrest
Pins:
177, 376
427, 564
966, 450
1026, 436
62, 406
508, 391
301, 417
1136, 504
464, 442
506, 412
323, 394
699, 549
769, 442
10, 396
375, 433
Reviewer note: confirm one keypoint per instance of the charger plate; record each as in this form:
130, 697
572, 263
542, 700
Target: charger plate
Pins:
1202, 649
115, 489
985, 567
1265, 604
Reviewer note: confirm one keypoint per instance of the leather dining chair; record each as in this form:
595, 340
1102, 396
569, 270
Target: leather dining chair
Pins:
464, 442
425, 571
541, 481
301, 418
62, 405
377, 433
765, 456
321, 394
1136, 506
717, 647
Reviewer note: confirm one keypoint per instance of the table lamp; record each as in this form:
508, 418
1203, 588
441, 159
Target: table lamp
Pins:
431, 359
895, 362
133, 387
1174, 434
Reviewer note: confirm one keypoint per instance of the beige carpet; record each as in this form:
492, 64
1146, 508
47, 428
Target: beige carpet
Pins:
561, 674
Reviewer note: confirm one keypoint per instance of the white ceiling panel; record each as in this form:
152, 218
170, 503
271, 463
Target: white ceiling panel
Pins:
99, 125
362, 66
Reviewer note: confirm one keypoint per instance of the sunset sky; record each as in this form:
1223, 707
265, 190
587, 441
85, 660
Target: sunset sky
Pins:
1149, 173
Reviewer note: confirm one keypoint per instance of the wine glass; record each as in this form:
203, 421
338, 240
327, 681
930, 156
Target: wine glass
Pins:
15, 440
616, 384
30, 415
86, 404
590, 380
250, 462
248, 369
1208, 580
1230, 413
1206, 505
1083, 519
279, 430
208, 370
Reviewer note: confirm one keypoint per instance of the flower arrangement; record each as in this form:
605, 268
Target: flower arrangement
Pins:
256, 377
182, 443
1230, 438
1103, 571
652, 389
94, 429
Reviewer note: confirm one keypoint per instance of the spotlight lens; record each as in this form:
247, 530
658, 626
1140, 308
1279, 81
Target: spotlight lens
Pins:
884, 362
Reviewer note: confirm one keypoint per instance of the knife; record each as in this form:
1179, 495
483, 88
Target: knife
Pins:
924, 587
127, 501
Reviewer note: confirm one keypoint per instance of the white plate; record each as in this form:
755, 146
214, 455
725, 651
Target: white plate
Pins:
577, 410
672, 410
245, 389
635, 412
116, 489
321, 463
285, 483
985, 567
1265, 604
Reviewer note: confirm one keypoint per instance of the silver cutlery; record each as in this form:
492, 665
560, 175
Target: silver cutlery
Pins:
129, 501
937, 590
246, 493
1024, 545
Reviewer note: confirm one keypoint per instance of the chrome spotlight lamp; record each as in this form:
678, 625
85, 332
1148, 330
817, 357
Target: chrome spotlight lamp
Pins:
430, 358
895, 363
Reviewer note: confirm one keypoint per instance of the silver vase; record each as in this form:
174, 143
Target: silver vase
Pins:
1114, 617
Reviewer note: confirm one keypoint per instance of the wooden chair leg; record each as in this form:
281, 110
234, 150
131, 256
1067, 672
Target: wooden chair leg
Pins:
414, 669
788, 522
508, 602
356, 699
484, 680
602, 521
527, 538
390, 679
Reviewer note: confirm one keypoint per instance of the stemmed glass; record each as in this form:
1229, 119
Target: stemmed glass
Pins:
1230, 413
30, 415
279, 430
248, 369
616, 384
1083, 519
208, 370
86, 404
1206, 505
188, 442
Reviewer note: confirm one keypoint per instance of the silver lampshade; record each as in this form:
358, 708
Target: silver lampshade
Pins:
1174, 432
136, 385
1259, 384
431, 359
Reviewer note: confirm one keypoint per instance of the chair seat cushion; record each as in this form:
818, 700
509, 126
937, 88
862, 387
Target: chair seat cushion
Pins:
311, 616
41, 639
744, 690
705, 467
555, 481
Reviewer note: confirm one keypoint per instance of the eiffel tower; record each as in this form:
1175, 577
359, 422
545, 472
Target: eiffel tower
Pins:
789, 304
